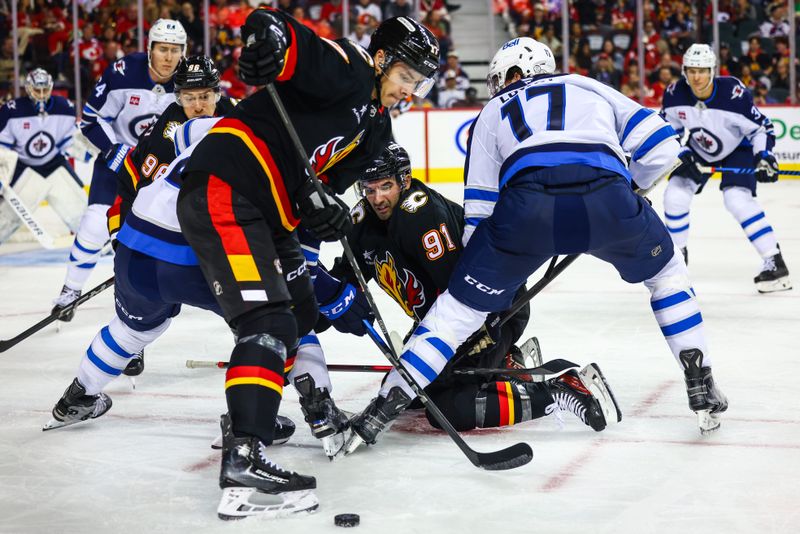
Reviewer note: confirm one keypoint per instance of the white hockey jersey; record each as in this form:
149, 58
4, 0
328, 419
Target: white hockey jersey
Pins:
36, 138
561, 119
723, 122
152, 225
124, 103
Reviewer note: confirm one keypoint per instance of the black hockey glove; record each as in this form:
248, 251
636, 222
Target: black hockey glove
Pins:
767, 167
688, 168
325, 218
265, 37
491, 335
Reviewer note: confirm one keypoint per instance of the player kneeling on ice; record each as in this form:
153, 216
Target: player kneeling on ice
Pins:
38, 128
725, 129
543, 178
406, 237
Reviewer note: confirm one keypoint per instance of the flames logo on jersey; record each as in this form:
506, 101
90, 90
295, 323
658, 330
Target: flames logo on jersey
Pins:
327, 155
408, 291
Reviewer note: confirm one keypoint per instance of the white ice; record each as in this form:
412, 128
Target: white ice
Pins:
146, 466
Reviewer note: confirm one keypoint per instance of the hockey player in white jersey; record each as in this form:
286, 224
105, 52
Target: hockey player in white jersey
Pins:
128, 98
546, 174
725, 129
38, 128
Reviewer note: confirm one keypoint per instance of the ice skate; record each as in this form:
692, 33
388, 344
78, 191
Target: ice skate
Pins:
685, 252
531, 356
254, 485
284, 429
328, 424
774, 275
705, 398
67, 297
76, 406
376, 418
135, 365
587, 395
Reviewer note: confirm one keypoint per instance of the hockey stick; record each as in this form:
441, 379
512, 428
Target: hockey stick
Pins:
553, 367
738, 170
26, 216
6, 344
343, 367
508, 458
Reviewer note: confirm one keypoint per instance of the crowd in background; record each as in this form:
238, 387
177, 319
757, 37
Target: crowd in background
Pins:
754, 42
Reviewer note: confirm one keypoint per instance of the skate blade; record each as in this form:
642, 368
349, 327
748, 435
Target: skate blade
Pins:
352, 444
533, 352
217, 443
54, 423
781, 284
592, 377
241, 502
133, 382
708, 422
334, 444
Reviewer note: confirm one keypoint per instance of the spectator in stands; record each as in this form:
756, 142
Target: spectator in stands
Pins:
630, 83
583, 57
470, 99
666, 61
756, 59
359, 35
553, 43
193, 26
665, 78
453, 64
622, 16
781, 49
760, 92
777, 23
605, 72
728, 64
397, 8
450, 94
367, 7
616, 56
780, 76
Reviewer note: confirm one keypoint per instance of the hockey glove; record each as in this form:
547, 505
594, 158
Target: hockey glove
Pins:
265, 37
323, 216
491, 335
688, 168
343, 305
115, 156
767, 167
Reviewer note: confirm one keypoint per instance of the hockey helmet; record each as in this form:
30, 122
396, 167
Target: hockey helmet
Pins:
393, 162
196, 72
404, 39
39, 86
166, 31
528, 55
699, 56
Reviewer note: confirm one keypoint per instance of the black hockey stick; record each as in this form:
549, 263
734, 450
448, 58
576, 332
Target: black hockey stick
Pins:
553, 270
508, 458
6, 344
341, 367
553, 367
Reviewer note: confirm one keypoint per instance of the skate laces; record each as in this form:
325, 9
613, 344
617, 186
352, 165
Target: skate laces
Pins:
262, 455
769, 264
67, 296
567, 397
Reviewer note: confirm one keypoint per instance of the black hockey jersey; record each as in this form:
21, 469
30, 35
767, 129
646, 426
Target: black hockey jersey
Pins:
151, 157
326, 87
412, 254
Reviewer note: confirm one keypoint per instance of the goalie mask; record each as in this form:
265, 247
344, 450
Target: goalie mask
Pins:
524, 55
404, 39
393, 163
39, 86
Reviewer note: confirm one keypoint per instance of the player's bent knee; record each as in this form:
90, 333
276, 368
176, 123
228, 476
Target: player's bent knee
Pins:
739, 202
276, 320
674, 276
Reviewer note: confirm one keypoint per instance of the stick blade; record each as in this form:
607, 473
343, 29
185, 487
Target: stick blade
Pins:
511, 457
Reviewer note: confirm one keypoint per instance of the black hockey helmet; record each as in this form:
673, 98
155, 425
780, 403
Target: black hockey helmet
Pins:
404, 39
196, 72
393, 162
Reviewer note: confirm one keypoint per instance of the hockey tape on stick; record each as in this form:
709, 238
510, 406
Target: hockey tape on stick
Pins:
6, 344
738, 170
508, 458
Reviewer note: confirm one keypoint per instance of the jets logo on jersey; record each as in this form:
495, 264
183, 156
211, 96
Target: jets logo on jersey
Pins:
738, 91
39, 145
11, 104
414, 201
706, 141
407, 292
139, 125
327, 155
119, 67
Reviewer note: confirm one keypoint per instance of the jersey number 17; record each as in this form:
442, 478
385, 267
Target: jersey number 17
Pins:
514, 112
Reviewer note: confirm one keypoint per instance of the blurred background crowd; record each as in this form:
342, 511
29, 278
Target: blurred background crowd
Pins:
754, 38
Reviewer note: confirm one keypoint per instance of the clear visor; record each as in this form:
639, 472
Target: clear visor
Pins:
190, 99
493, 84
410, 80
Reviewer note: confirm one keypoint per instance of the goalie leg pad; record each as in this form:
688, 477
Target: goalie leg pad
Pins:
66, 196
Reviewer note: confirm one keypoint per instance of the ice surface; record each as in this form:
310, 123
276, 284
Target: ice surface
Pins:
147, 465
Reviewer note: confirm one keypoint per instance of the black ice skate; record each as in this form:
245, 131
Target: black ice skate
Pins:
774, 275
76, 406
685, 252
67, 297
587, 395
328, 423
705, 398
284, 429
135, 365
377, 417
252, 484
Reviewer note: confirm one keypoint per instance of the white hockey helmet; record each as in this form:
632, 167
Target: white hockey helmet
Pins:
700, 56
39, 86
528, 55
166, 31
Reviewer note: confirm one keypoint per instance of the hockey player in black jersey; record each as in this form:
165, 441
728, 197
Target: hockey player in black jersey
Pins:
244, 191
407, 237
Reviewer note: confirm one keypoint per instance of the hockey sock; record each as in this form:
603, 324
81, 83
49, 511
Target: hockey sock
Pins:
677, 201
311, 360
741, 203
675, 307
509, 403
110, 351
92, 235
254, 385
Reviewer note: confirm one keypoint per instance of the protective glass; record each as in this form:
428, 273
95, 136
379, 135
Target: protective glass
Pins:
410, 80
203, 98
371, 188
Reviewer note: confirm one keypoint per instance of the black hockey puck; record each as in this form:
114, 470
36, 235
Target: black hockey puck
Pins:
346, 520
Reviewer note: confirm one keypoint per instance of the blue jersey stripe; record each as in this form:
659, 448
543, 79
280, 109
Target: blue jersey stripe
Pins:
471, 193
671, 300
112, 344
441, 346
676, 217
156, 248
761, 232
679, 229
654, 140
100, 364
88, 265
420, 365
634, 121
550, 155
682, 326
753, 219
